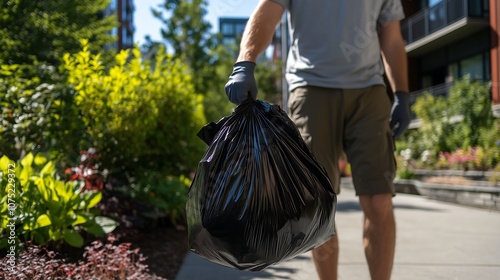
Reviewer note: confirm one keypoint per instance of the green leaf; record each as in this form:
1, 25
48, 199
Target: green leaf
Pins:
39, 159
27, 160
79, 220
100, 226
107, 224
4, 163
42, 221
73, 238
54, 235
3, 243
40, 184
93, 228
24, 176
48, 168
94, 199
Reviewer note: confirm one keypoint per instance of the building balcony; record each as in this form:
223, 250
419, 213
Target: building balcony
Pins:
442, 24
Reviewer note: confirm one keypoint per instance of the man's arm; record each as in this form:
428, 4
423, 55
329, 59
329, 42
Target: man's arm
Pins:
394, 55
259, 30
258, 33
396, 68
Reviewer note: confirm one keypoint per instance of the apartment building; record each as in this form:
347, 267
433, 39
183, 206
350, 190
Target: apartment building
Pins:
231, 29
448, 39
124, 9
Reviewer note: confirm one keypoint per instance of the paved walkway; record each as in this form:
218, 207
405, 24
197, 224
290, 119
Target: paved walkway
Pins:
435, 240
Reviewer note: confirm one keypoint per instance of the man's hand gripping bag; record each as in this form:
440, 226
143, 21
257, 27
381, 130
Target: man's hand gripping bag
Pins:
259, 196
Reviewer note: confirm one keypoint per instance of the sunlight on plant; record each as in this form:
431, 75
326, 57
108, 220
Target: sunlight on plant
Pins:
47, 208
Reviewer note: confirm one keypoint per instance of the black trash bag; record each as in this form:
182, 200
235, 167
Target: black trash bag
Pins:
259, 196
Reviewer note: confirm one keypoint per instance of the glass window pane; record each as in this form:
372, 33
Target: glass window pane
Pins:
239, 28
487, 66
227, 29
473, 66
453, 73
229, 41
434, 2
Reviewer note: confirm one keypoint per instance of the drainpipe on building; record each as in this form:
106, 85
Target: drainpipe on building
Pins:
495, 55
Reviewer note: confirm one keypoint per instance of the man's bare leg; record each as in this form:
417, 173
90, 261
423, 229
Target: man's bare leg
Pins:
326, 258
379, 234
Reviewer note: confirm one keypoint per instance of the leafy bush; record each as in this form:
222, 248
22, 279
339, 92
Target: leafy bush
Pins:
166, 195
43, 208
495, 177
141, 115
463, 120
37, 115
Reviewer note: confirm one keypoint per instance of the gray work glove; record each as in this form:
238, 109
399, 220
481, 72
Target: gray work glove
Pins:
400, 113
242, 83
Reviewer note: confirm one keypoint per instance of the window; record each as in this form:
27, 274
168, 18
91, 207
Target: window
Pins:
240, 27
229, 41
433, 3
124, 13
429, 3
474, 67
453, 72
124, 34
487, 66
227, 29
437, 16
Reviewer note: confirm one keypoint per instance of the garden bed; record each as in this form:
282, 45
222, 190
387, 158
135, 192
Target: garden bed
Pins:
456, 189
474, 195
164, 248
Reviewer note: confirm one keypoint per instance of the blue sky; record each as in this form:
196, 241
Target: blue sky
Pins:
146, 24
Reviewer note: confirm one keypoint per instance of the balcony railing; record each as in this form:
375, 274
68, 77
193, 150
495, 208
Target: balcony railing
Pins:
437, 90
441, 15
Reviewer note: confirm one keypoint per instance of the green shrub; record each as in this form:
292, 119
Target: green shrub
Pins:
141, 115
37, 206
472, 100
405, 173
435, 123
37, 113
462, 120
166, 195
495, 177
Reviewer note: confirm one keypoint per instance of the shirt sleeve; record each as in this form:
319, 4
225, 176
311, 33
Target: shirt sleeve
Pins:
391, 10
283, 3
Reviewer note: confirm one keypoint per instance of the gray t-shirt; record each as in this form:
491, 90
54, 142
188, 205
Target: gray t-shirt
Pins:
334, 43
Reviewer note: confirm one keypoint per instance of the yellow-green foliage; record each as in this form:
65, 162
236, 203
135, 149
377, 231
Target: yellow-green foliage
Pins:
141, 115
36, 205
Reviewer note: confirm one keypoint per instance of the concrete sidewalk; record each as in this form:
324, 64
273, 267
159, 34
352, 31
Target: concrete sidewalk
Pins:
435, 240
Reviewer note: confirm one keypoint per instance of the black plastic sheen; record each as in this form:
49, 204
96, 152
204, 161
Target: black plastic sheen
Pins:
259, 196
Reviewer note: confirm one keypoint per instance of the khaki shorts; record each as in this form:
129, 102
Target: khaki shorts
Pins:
354, 121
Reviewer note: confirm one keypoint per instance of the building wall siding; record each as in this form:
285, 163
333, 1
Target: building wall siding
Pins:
495, 56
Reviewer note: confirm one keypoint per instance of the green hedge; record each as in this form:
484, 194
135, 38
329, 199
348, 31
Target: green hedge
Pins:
460, 121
